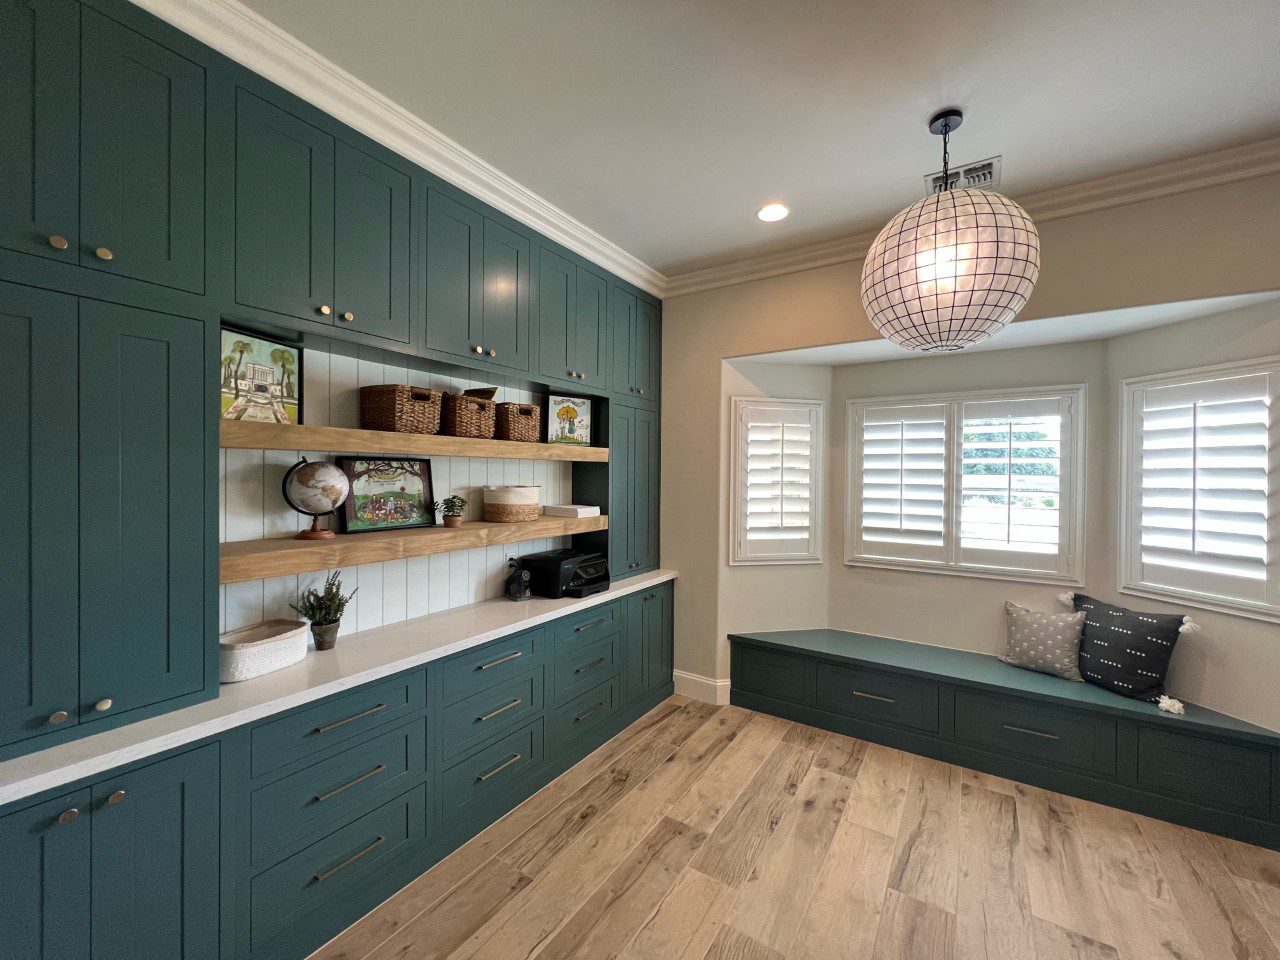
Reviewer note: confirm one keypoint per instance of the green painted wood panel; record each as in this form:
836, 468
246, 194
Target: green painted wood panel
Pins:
622, 432
557, 316
584, 665
1036, 731
455, 277
590, 624
477, 790
143, 413
40, 116
636, 663
44, 883
644, 500
590, 329
1210, 772
371, 237
142, 147
155, 861
504, 706
647, 365
885, 697
507, 272
658, 637
491, 664
623, 321
284, 211
38, 525
586, 712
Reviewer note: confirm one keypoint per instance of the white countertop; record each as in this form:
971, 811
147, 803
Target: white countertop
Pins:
359, 658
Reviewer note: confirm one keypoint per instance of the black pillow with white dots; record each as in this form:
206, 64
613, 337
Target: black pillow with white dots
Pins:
1126, 651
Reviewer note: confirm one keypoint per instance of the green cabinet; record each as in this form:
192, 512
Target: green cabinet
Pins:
636, 333
572, 321
633, 489
648, 637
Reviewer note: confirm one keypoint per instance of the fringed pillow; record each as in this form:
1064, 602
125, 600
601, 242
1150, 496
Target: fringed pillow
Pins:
1044, 642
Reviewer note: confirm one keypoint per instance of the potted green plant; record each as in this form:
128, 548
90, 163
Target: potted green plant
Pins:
324, 609
452, 509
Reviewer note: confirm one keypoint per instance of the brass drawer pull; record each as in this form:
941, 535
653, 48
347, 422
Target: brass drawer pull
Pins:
352, 719
116, 798
590, 666
103, 253
874, 696
70, 815
514, 758
502, 709
58, 716
588, 626
586, 713
1034, 733
500, 660
58, 242
321, 797
326, 874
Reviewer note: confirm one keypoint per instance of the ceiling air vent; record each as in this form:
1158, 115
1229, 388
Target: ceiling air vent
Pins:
984, 174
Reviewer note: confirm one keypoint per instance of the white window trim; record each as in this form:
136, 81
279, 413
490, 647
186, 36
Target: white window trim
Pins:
1072, 496
818, 508
1130, 500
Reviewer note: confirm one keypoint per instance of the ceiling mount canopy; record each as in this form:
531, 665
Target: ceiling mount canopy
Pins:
952, 269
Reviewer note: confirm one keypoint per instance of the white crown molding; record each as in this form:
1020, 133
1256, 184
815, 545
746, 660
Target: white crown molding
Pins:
1133, 186
242, 35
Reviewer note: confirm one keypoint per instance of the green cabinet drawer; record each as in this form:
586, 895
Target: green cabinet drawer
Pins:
485, 714
1036, 731
770, 674
873, 695
326, 793
335, 720
481, 779
582, 666
589, 625
1228, 776
490, 664
585, 712
282, 895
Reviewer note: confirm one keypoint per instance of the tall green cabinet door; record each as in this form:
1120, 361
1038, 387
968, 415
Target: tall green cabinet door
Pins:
455, 276
590, 329
155, 861
38, 530
39, 117
284, 212
371, 246
142, 116
644, 501
647, 363
622, 432
507, 273
636, 659
44, 885
658, 624
143, 413
622, 332
557, 316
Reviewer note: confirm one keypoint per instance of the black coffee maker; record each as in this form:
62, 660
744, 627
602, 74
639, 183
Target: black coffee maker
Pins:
518, 580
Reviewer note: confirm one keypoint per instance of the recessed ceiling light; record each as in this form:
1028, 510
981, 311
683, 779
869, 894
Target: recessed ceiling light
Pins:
771, 212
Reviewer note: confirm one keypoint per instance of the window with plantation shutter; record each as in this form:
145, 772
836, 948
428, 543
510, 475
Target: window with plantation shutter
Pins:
1201, 477
776, 481
902, 471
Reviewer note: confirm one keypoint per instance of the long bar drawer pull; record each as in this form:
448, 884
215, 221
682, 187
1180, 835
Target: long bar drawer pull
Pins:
588, 626
326, 874
586, 713
1034, 733
590, 666
351, 719
514, 758
874, 696
500, 660
502, 709
321, 797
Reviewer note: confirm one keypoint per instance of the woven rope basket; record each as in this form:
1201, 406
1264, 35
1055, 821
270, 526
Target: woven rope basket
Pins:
252, 651
512, 504
519, 421
467, 417
400, 408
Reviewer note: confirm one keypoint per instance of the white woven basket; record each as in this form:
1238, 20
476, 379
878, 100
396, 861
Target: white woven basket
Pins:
512, 504
252, 651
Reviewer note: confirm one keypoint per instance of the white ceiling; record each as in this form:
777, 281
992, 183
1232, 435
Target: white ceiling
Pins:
663, 124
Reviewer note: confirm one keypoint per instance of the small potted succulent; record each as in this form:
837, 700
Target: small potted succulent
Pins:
324, 609
452, 508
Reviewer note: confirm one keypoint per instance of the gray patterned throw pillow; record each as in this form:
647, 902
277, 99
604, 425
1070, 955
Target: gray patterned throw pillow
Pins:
1044, 642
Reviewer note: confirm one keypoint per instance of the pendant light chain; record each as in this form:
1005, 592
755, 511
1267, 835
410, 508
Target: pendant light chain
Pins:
946, 155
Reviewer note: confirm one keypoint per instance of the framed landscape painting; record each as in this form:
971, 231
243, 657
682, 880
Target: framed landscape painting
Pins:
261, 378
387, 494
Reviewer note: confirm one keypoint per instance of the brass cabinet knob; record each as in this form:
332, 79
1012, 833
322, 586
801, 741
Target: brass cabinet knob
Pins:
493, 353
58, 242
347, 317
642, 391
324, 310
582, 376
103, 253
58, 716
115, 798
479, 349
103, 705
573, 373
70, 815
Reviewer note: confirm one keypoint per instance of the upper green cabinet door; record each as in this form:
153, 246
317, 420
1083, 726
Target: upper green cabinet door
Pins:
39, 114
636, 329
141, 157
648, 349
284, 212
590, 330
507, 271
44, 886
557, 316
143, 414
38, 648
622, 330
371, 238
455, 277
155, 861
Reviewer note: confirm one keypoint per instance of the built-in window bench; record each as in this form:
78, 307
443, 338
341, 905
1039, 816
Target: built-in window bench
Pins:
1204, 769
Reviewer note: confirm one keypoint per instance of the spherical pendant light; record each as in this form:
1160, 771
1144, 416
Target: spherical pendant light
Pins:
952, 269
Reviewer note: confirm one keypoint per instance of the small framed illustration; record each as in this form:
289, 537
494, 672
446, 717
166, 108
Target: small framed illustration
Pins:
261, 378
568, 420
387, 494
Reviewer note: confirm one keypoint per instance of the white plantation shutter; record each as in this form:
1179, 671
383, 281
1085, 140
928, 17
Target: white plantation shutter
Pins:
777, 481
900, 460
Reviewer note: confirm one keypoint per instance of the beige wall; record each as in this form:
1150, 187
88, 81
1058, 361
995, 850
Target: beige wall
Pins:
1211, 242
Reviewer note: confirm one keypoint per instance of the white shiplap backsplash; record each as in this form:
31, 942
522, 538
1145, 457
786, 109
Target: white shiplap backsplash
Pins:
251, 508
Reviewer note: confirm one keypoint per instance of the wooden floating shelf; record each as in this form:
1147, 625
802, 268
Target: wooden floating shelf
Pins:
259, 559
244, 435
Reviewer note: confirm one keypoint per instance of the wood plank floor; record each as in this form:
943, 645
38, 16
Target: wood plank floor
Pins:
715, 833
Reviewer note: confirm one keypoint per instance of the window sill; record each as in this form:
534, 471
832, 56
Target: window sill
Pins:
773, 561
980, 573
1201, 602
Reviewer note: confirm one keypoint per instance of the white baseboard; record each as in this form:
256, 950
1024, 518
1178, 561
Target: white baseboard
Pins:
697, 687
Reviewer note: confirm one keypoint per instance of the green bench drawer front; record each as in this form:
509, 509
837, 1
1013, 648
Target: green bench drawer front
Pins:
489, 712
585, 665
1209, 772
324, 794
493, 663
589, 625
469, 782
586, 712
771, 674
335, 720
282, 895
878, 696
1036, 731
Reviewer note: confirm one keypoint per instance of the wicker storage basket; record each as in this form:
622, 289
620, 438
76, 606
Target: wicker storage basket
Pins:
400, 408
252, 651
519, 421
512, 504
467, 417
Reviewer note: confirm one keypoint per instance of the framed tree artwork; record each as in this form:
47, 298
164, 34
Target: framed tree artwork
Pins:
387, 494
568, 420
261, 378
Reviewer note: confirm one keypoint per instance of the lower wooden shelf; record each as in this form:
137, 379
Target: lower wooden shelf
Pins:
259, 559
